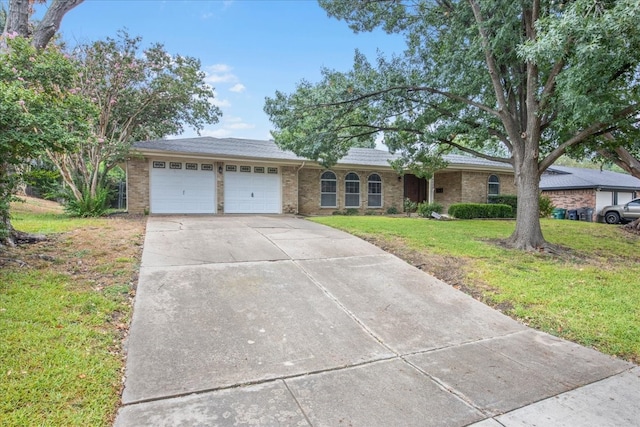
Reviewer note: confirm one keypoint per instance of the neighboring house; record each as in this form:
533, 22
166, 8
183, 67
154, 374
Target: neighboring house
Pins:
228, 175
574, 188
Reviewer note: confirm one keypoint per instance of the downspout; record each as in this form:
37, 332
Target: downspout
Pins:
298, 188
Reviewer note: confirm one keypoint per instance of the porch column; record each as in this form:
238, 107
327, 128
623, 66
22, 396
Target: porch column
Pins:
430, 190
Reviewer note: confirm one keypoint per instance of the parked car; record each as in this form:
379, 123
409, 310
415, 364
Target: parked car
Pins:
621, 213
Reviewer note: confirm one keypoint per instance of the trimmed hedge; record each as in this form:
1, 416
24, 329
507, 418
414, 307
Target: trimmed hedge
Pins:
480, 210
505, 199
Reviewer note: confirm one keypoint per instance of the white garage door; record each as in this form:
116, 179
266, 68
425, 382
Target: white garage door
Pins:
251, 189
182, 187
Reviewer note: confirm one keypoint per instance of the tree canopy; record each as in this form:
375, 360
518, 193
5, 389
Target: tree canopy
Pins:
38, 110
140, 94
537, 77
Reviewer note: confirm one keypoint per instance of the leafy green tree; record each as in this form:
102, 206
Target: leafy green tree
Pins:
538, 77
38, 112
140, 94
16, 23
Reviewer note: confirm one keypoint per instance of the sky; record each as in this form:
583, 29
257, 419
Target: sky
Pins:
249, 49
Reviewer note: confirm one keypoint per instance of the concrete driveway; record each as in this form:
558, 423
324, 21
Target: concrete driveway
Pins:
275, 320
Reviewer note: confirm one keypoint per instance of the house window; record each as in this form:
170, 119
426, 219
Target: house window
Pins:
159, 165
258, 169
175, 165
272, 170
245, 168
231, 168
328, 190
494, 185
375, 191
352, 190
191, 166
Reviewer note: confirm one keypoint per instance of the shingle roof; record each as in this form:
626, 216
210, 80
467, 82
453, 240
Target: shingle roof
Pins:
268, 150
563, 178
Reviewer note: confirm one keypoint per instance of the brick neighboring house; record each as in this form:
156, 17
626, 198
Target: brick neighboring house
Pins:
575, 188
228, 175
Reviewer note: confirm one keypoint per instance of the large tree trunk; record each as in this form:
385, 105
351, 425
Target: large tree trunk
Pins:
18, 20
50, 24
528, 233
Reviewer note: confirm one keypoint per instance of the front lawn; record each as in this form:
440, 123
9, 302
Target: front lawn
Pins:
64, 309
590, 294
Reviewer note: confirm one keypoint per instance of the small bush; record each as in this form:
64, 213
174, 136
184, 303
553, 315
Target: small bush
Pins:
88, 206
425, 209
351, 211
505, 199
546, 207
480, 210
370, 212
409, 206
337, 213
392, 210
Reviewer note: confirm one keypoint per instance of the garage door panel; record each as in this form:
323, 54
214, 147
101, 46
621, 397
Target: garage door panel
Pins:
251, 192
177, 191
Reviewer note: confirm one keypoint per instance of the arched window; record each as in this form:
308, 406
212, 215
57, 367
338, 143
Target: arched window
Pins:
328, 190
374, 185
352, 190
494, 185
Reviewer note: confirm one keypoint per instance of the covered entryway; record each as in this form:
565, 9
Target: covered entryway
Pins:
252, 189
182, 187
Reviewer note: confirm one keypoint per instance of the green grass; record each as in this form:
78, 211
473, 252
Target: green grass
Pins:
590, 295
47, 223
56, 365
60, 337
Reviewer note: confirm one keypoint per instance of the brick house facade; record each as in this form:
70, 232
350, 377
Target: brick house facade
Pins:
370, 177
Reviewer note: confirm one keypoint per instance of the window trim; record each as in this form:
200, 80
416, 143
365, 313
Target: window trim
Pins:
369, 193
347, 193
491, 184
335, 193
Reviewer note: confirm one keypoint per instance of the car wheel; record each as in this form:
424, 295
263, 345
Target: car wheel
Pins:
612, 218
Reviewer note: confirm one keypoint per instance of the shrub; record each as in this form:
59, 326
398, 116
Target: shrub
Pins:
425, 209
88, 206
392, 210
505, 199
351, 211
480, 210
546, 207
409, 206
337, 213
371, 212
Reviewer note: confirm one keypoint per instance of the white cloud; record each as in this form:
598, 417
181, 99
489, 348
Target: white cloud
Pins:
238, 88
218, 102
236, 123
220, 73
216, 133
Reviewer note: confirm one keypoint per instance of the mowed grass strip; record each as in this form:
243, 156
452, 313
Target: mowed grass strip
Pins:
589, 294
62, 318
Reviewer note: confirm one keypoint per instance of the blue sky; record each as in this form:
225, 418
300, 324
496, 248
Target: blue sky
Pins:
248, 48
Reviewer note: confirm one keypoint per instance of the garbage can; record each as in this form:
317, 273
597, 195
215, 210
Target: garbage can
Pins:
559, 213
585, 214
572, 214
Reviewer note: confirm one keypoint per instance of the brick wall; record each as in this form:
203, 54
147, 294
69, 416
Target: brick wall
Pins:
468, 187
309, 191
572, 199
138, 185
289, 189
